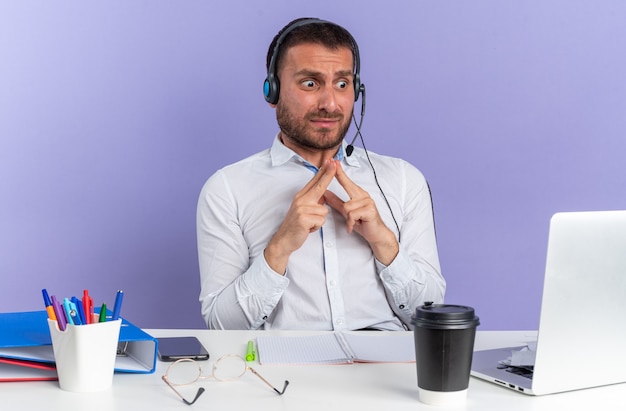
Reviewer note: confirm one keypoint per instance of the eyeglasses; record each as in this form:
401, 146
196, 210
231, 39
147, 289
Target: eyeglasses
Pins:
227, 368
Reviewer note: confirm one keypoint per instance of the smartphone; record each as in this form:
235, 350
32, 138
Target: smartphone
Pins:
175, 348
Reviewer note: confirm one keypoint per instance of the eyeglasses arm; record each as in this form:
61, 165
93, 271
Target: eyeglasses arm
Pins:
279, 392
198, 393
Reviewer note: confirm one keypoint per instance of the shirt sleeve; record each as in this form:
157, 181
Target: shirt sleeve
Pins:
414, 276
235, 293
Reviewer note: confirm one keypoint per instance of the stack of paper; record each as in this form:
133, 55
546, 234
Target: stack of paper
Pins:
336, 348
22, 370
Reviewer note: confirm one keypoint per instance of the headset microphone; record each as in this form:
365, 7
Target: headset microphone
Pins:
350, 147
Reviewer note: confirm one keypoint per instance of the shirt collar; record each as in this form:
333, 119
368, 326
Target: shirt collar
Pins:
280, 154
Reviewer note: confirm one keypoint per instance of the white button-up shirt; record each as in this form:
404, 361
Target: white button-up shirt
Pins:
333, 282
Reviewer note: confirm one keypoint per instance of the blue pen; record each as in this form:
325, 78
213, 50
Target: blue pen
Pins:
118, 304
68, 310
49, 308
74, 314
80, 310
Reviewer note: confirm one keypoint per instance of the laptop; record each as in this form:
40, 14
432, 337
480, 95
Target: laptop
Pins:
582, 326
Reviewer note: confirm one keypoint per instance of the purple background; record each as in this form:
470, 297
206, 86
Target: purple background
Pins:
113, 114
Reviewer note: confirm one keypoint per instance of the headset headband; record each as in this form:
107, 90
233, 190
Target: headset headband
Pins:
271, 85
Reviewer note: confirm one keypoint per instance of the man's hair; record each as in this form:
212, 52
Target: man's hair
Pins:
324, 33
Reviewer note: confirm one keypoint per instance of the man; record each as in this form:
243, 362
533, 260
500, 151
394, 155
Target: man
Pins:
302, 236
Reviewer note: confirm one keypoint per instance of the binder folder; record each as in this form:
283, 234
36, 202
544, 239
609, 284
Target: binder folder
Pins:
26, 336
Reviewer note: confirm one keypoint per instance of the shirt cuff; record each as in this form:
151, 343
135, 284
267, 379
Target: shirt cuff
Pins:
266, 283
399, 273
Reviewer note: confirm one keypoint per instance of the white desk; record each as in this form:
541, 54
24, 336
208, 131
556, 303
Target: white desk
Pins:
326, 388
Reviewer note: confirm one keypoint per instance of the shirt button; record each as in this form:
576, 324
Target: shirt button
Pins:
333, 283
329, 244
401, 306
339, 321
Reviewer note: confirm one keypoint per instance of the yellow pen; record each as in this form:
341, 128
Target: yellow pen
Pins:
250, 353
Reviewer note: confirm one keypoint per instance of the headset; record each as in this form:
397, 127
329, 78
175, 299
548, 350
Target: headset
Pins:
271, 85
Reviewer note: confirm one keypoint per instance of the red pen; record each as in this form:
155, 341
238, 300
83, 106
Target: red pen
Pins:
87, 301
92, 312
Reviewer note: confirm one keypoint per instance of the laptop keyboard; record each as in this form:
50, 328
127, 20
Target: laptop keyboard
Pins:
526, 372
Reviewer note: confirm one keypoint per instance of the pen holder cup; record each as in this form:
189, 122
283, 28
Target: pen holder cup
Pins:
85, 355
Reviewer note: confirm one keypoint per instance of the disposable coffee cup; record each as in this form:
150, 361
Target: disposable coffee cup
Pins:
444, 345
85, 355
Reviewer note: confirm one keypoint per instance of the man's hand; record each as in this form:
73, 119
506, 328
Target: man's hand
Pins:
362, 216
306, 215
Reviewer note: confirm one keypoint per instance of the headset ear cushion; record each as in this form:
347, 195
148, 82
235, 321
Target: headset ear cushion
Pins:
358, 87
266, 89
271, 89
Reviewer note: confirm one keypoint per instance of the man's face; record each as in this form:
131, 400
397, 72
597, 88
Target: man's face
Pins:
316, 96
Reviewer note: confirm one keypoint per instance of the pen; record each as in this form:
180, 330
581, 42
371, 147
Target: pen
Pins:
92, 314
103, 313
68, 311
250, 353
87, 307
60, 314
74, 313
48, 303
80, 310
118, 304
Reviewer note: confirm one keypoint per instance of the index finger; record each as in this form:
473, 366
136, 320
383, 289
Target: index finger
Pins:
351, 188
316, 187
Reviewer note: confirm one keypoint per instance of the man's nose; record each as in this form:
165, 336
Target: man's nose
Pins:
327, 99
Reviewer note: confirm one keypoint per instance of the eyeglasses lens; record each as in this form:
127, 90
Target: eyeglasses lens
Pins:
183, 372
229, 368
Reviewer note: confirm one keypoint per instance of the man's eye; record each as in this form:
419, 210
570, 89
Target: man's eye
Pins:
308, 83
342, 84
